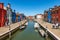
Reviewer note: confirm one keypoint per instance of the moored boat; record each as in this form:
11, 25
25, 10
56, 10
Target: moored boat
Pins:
36, 26
22, 27
26, 23
42, 32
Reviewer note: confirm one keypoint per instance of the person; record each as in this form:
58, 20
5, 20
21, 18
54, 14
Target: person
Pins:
6, 23
53, 25
57, 25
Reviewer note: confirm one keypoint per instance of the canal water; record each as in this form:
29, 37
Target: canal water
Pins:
29, 33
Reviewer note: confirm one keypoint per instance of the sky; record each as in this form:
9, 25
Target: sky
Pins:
31, 7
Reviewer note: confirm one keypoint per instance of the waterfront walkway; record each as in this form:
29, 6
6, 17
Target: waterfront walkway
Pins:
5, 29
54, 32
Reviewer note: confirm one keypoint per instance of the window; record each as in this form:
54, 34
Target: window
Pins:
56, 11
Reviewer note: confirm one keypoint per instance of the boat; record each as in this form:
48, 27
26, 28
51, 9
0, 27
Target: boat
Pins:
26, 23
42, 32
36, 26
22, 27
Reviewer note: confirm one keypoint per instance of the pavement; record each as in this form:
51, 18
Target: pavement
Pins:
5, 29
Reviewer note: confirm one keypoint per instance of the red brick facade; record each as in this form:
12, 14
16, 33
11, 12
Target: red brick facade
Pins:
56, 15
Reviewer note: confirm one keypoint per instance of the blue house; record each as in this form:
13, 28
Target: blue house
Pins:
19, 19
13, 17
49, 16
22, 16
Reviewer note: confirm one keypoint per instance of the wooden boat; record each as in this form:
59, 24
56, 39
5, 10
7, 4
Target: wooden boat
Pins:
42, 32
36, 26
22, 27
26, 23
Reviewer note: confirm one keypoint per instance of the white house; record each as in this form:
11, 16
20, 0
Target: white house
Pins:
39, 16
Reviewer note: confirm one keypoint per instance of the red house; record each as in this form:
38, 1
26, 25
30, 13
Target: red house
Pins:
1, 6
2, 15
55, 14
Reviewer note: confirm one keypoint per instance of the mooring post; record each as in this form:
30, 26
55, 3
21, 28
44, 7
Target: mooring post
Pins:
46, 32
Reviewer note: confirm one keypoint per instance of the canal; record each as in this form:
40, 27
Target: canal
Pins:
29, 33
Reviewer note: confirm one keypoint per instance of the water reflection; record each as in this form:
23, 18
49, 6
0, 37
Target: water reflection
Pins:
36, 30
29, 33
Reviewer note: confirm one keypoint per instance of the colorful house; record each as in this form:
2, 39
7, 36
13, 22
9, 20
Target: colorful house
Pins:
56, 14
45, 15
18, 19
2, 15
49, 16
39, 16
9, 14
14, 16
22, 16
